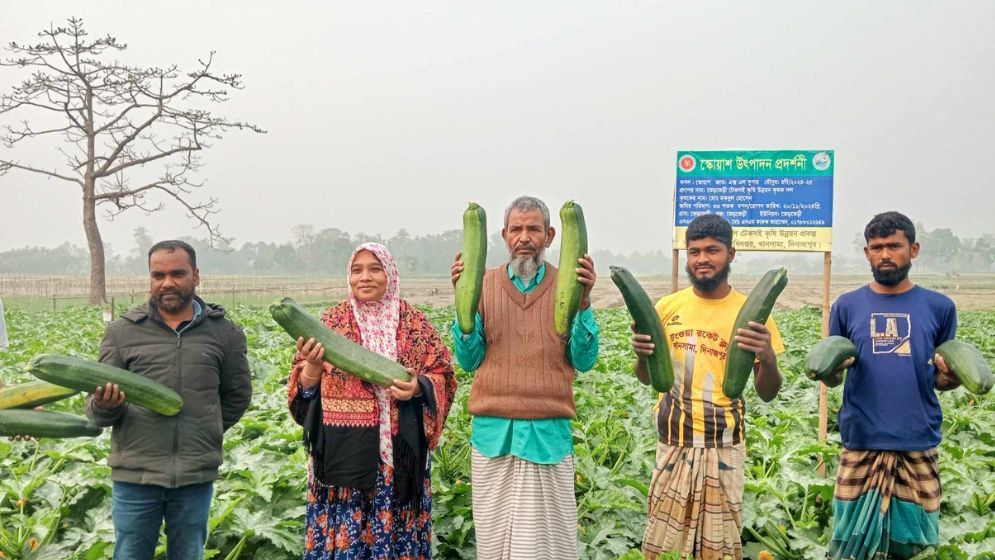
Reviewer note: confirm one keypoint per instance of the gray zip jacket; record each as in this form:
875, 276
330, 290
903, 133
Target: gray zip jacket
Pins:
207, 364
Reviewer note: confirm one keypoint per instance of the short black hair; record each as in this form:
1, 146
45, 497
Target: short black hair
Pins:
172, 245
887, 223
709, 225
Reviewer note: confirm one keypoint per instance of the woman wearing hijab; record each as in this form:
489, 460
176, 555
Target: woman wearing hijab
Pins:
369, 473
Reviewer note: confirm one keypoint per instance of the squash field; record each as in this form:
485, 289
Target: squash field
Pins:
55, 494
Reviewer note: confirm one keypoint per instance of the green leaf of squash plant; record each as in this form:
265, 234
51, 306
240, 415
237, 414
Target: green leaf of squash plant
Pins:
258, 511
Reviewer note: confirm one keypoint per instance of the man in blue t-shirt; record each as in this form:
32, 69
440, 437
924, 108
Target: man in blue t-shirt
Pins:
887, 496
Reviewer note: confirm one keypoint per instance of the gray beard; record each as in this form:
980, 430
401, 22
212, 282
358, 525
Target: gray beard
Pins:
526, 268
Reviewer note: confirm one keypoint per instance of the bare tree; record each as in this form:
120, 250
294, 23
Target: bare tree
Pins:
130, 135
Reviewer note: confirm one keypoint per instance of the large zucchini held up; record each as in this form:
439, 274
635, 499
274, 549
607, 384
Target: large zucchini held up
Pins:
29, 395
474, 257
658, 364
339, 350
87, 375
45, 423
739, 362
968, 364
827, 356
572, 247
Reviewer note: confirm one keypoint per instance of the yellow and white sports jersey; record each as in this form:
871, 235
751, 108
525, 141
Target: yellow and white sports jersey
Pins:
695, 413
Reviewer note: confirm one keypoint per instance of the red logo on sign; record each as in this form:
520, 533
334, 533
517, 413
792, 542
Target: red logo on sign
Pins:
687, 163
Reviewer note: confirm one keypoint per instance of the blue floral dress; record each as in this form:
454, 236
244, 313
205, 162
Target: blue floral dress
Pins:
351, 524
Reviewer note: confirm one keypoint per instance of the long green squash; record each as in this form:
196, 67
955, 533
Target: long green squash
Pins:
339, 350
827, 355
739, 362
968, 364
87, 375
36, 393
474, 257
658, 364
45, 423
572, 247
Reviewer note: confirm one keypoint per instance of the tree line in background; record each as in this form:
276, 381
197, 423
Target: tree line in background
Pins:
131, 138
324, 252
313, 252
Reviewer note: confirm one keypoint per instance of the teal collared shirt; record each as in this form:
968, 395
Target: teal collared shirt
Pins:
543, 441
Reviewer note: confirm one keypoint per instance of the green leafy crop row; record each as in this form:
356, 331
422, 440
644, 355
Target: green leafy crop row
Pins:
55, 495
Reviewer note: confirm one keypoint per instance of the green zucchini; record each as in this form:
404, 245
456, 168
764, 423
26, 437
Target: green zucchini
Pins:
339, 350
45, 423
86, 375
968, 364
658, 364
827, 355
30, 395
474, 257
572, 247
739, 362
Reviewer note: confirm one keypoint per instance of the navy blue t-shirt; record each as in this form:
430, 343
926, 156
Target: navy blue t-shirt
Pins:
889, 400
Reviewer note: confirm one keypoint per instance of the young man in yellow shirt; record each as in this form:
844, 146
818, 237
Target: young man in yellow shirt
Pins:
696, 493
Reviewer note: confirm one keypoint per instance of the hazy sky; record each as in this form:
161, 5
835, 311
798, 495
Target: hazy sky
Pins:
389, 115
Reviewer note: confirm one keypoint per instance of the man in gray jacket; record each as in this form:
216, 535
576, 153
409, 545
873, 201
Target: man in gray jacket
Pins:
164, 467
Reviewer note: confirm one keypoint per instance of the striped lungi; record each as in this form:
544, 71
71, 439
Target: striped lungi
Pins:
696, 502
524, 510
886, 502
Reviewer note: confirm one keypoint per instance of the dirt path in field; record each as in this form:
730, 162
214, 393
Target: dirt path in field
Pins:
968, 292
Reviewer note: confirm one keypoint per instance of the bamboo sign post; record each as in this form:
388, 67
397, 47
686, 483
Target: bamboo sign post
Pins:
827, 265
775, 200
675, 270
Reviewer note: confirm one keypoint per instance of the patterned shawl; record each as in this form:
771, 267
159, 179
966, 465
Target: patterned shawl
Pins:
350, 404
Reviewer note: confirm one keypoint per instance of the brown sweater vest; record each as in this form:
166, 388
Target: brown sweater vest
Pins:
525, 372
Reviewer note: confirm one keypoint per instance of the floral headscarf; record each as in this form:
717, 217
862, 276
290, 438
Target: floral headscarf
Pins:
378, 319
